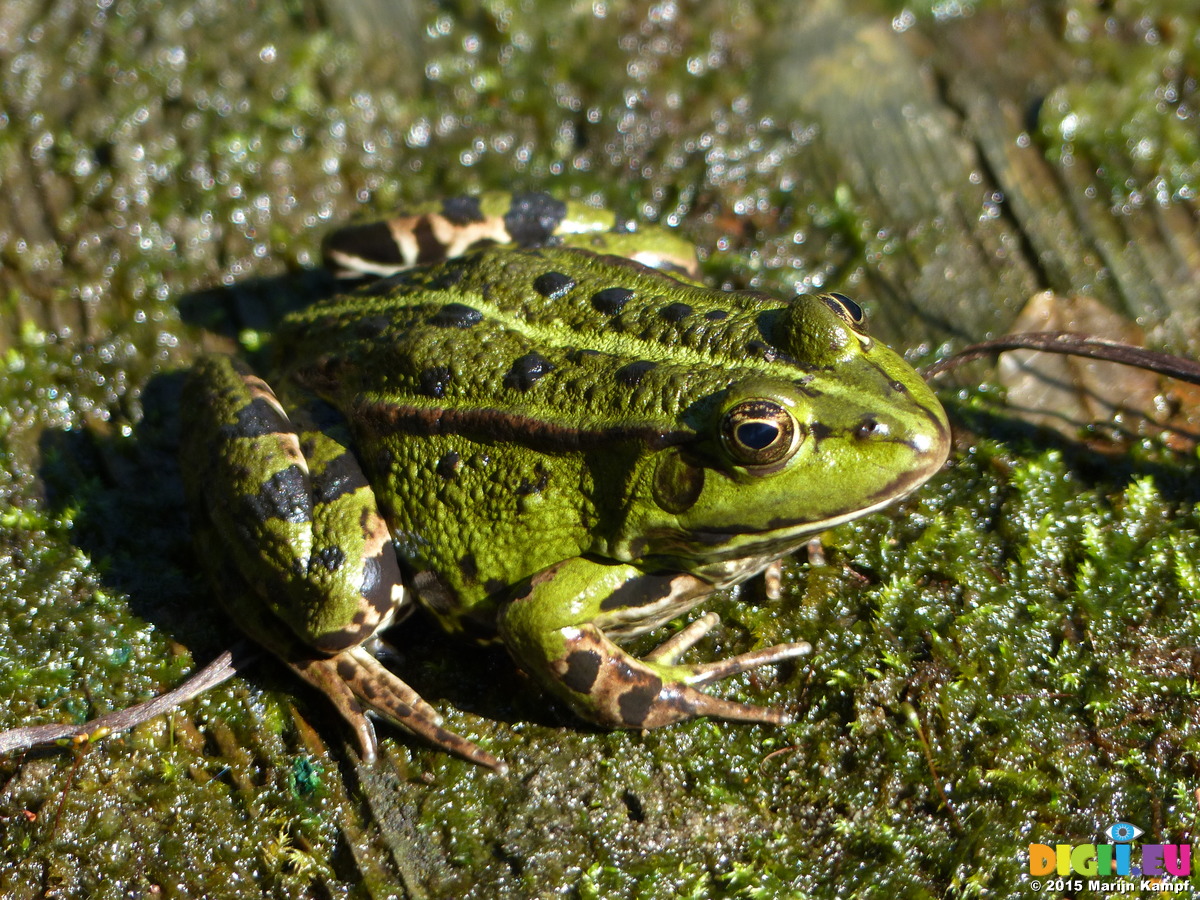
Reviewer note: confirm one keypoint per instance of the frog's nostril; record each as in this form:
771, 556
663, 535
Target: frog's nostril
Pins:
871, 427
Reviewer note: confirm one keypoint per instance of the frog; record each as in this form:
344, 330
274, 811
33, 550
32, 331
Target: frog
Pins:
535, 422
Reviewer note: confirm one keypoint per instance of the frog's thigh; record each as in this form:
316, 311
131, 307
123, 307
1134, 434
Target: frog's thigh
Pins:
549, 628
293, 509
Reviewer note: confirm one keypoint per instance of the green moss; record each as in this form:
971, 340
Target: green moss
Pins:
1133, 119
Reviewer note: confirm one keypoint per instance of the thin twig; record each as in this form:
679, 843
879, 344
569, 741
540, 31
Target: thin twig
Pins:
1073, 344
221, 669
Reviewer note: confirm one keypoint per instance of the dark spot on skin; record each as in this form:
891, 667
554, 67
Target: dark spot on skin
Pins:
769, 353
429, 247
675, 312
468, 567
716, 315
360, 618
760, 349
898, 386
373, 241
522, 589
371, 327
494, 585
611, 300
447, 278
367, 688
380, 573
462, 210
434, 381
631, 374
327, 369
583, 667
526, 371
284, 495
533, 218
456, 315
641, 591
258, 418
346, 669
553, 285
341, 476
448, 465
677, 482
819, 431
534, 487
635, 704
331, 558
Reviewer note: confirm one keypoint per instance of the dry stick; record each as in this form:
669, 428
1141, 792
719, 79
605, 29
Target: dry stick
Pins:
221, 669
1073, 344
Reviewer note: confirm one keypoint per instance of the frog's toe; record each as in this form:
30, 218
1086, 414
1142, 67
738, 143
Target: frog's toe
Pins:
676, 645
322, 674
391, 699
724, 668
697, 703
379, 688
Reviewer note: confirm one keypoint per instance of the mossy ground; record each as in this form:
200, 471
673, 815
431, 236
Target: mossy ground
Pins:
1009, 656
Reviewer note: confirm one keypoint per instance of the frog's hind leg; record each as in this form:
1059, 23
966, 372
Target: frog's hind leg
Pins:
556, 628
299, 552
354, 679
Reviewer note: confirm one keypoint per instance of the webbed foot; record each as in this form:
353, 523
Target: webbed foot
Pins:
357, 683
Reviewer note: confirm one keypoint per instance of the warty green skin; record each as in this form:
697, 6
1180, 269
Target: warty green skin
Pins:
544, 434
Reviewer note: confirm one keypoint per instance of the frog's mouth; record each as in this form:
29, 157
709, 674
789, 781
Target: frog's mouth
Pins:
736, 541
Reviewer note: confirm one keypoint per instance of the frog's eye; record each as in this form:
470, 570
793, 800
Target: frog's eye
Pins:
847, 310
760, 433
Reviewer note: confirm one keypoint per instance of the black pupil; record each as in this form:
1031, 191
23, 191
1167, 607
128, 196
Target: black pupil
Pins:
850, 306
757, 435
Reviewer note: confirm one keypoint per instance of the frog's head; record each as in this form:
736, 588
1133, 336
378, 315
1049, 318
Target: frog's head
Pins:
835, 426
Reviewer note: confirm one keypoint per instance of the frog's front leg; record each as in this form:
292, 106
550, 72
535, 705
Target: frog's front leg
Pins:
298, 551
555, 628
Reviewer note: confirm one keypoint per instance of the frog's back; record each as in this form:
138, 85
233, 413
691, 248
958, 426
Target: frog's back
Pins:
594, 343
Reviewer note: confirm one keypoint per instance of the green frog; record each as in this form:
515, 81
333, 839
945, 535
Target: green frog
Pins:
543, 429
